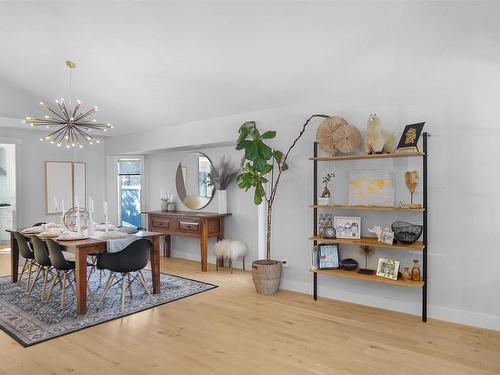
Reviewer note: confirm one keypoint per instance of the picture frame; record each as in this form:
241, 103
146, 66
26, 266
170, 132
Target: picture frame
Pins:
371, 187
347, 227
409, 138
387, 236
388, 268
328, 256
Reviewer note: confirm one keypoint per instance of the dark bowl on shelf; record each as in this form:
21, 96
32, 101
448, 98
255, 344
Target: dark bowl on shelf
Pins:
406, 233
348, 264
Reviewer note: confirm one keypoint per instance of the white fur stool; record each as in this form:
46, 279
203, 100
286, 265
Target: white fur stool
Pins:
232, 250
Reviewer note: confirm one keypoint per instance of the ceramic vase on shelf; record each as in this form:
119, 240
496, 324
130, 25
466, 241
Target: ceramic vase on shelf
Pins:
415, 271
406, 274
222, 201
164, 205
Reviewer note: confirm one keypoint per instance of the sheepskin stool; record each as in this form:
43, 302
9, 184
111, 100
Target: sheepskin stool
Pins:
232, 250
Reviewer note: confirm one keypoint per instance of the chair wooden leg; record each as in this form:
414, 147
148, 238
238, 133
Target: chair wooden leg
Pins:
123, 292
129, 284
145, 285
44, 286
55, 280
22, 272
100, 276
63, 288
36, 279
29, 275
108, 285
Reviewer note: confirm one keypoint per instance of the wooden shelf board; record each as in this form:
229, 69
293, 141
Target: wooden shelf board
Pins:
367, 156
371, 278
367, 208
370, 241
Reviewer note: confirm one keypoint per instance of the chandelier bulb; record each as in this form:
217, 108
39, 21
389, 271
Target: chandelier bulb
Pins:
59, 144
80, 146
41, 139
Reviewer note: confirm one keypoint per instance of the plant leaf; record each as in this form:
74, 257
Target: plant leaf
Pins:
251, 151
264, 150
269, 134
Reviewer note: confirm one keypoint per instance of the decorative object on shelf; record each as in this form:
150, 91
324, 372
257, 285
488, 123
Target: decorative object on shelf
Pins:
325, 132
222, 176
328, 255
409, 138
349, 264
371, 187
388, 268
326, 192
415, 271
406, 276
387, 236
366, 251
347, 227
401, 204
324, 220
232, 250
73, 126
411, 180
329, 232
406, 233
75, 216
377, 229
258, 162
194, 187
346, 138
314, 258
377, 140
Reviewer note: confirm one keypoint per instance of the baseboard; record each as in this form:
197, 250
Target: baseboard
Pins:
470, 318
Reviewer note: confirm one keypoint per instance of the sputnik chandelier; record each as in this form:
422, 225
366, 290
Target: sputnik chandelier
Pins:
73, 125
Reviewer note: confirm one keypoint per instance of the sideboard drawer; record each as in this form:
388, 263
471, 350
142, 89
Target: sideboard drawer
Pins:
189, 225
164, 223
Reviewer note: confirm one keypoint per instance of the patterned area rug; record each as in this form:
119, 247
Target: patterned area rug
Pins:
30, 322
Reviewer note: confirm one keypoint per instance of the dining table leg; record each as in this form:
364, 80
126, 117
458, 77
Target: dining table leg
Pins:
81, 281
14, 258
155, 264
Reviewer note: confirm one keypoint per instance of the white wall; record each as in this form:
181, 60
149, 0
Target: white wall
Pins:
31, 155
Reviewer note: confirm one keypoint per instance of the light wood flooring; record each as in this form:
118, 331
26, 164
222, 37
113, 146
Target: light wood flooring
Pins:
232, 330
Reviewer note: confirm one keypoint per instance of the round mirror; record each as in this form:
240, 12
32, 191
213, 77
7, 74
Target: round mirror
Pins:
193, 184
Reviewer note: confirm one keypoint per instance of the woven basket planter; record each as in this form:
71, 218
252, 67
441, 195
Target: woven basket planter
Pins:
266, 276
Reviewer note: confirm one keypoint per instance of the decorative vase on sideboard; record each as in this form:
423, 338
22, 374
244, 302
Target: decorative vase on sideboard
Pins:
222, 201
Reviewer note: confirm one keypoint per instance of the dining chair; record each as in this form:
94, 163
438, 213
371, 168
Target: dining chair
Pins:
39, 224
28, 255
133, 258
61, 265
44, 264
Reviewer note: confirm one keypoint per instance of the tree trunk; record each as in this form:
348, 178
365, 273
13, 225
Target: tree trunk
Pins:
268, 234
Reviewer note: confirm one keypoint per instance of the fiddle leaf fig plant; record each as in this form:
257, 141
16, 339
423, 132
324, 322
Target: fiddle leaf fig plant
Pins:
261, 160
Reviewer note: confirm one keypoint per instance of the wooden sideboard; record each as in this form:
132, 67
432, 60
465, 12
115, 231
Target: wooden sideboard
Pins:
202, 225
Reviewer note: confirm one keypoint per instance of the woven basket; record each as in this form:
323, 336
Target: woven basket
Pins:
266, 276
346, 138
325, 132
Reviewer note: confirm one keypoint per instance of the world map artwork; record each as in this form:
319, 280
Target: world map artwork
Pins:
371, 187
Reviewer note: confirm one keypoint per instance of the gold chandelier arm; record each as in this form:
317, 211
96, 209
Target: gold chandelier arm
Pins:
85, 135
83, 115
63, 109
52, 111
77, 106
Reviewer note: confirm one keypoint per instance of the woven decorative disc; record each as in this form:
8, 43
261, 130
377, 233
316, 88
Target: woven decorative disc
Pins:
324, 134
70, 219
346, 138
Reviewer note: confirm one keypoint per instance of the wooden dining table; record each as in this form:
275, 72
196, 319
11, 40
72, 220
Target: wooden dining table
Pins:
82, 249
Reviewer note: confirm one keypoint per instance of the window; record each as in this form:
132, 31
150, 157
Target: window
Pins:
129, 192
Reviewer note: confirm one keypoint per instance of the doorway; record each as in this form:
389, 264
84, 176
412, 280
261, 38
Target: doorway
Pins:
7, 189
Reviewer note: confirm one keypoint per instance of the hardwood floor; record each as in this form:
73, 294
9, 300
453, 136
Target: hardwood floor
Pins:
233, 330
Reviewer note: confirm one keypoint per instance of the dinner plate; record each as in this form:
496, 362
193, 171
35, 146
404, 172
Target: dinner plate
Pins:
71, 237
33, 230
50, 234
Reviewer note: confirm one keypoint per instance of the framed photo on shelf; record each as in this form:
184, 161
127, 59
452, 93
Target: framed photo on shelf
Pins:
371, 187
328, 256
410, 136
387, 236
347, 227
388, 268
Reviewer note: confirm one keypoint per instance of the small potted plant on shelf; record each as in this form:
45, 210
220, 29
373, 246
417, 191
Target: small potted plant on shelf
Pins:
260, 161
324, 199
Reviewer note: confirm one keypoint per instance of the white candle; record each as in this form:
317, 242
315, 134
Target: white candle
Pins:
62, 212
105, 206
78, 228
91, 205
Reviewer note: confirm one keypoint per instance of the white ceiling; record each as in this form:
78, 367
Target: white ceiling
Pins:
148, 64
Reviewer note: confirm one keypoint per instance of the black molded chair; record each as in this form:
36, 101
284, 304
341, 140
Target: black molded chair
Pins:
44, 265
39, 224
61, 265
28, 255
131, 259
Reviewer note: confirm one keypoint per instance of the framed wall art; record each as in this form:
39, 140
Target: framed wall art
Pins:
328, 256
410, 136
388, 268
371, 187
347, 227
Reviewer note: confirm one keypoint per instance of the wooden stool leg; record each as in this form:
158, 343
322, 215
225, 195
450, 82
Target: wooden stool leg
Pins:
231, 264
244, 264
